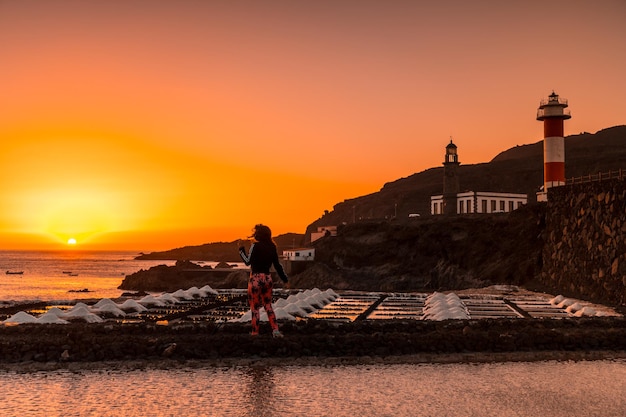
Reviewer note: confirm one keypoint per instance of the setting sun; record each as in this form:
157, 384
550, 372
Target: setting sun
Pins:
193, 121
71, 241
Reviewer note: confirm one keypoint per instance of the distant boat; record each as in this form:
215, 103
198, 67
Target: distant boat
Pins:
67, 272
15, 272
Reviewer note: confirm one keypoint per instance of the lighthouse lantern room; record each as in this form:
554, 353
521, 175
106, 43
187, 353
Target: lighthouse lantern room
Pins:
450, 179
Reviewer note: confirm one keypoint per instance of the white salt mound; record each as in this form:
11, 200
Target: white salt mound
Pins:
51, 318
151, 300
56, 311
557, 300
83, 313
132, 305
208, 290
79, 306
111, 309
182, 295
281, 302
574, 308
21, 317
194, 292
167, 298
295, 310
281, 314
586, 311
438, 306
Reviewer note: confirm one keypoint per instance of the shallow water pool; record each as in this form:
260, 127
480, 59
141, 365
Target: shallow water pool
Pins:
591, 388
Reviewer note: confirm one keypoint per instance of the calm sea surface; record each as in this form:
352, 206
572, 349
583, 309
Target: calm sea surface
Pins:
552, 389
555, 389
45, 274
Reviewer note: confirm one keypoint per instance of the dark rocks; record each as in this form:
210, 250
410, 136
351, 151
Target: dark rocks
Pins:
80, 343
441, 253
585, 249
184, 274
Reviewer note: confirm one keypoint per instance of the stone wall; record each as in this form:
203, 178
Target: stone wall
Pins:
585, 241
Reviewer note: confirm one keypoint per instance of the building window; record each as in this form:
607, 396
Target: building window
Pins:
493, 205
511, 205
483, 206
468, 204
461, 207
501, 205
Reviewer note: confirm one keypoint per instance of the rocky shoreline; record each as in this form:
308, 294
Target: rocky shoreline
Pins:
308, 342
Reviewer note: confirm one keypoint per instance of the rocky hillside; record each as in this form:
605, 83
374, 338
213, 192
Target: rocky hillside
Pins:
433, 253
519, 169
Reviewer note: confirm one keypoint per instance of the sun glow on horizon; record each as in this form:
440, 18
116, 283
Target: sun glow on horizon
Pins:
193, 122
71, 241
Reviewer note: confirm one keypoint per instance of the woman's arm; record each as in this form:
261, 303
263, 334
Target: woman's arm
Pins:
279, 269
244, 257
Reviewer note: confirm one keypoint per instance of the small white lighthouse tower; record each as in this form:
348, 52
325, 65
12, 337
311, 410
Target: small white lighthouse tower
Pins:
450, 179
552, 113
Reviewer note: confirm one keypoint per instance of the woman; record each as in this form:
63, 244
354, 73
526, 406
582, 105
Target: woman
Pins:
262, 256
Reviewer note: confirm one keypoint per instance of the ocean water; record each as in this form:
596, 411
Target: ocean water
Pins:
551, 388
45, 274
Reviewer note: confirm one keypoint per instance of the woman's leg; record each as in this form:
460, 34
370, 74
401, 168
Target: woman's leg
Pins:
266, 296
254, 299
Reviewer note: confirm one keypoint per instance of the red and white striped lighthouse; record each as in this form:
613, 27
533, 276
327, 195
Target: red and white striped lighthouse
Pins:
552, 112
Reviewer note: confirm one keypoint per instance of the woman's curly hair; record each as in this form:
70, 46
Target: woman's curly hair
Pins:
262, 233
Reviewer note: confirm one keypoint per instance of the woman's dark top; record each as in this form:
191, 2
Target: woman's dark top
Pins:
262, 256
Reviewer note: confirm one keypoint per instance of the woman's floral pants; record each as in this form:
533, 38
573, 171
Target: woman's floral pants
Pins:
260, 295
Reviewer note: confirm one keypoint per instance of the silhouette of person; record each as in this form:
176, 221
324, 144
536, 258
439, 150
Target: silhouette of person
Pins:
261, 257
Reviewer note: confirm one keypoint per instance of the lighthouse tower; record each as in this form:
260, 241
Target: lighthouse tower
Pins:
552, 113
450, 179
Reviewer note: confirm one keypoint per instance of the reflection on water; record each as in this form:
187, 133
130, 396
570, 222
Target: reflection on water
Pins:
259, 391
500, 389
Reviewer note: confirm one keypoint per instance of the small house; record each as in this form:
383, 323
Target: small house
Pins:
323, 231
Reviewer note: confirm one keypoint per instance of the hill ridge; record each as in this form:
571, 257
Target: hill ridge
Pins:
518, 169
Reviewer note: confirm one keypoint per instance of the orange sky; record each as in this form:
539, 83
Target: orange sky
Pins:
149, 125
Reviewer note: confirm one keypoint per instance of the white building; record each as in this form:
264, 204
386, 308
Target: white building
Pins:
481, 202
304, 254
